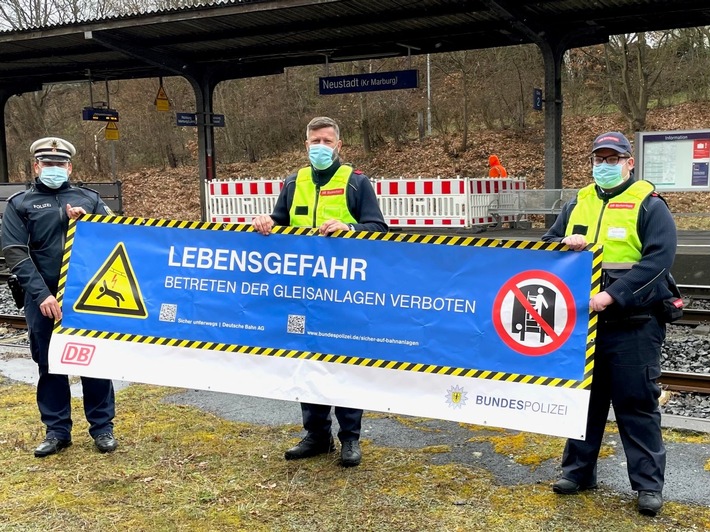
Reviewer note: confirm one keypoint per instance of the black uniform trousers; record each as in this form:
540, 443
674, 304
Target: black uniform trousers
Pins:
317, 421
53, 391
626, 368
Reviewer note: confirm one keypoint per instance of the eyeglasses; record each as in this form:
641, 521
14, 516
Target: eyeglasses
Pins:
610, 159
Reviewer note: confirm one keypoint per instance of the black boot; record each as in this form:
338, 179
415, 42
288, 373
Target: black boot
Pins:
310, 446
51, 445
350, 454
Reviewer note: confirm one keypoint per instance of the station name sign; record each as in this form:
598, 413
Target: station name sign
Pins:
379, 81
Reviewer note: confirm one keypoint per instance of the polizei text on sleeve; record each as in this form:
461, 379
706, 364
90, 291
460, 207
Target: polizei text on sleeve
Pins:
348, 268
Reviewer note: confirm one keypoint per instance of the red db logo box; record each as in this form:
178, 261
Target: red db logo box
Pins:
78, 354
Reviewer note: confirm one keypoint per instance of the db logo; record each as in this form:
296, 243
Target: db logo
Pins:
79, 354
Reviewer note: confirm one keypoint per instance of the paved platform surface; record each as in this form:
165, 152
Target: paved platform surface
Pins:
686, 479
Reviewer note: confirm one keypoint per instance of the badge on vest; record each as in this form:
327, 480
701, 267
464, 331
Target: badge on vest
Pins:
333, 192
619, 205
618, 233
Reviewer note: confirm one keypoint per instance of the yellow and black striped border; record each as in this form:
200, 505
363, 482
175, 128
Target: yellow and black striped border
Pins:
449, 240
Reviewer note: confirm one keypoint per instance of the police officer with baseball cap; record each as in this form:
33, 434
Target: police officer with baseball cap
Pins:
636, 229
33, 234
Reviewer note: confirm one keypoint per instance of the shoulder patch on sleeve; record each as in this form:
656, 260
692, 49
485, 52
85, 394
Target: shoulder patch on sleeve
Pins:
357, 171
90, 189
16, 194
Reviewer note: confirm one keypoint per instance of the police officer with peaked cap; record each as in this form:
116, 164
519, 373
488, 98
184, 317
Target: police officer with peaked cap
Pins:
33, 234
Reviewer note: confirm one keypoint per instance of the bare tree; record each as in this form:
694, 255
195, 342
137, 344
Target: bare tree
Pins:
24, 14
463, 65
634, 63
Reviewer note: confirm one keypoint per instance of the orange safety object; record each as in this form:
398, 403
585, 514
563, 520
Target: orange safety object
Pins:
497, 169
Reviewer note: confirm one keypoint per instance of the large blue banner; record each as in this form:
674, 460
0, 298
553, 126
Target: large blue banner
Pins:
497, 307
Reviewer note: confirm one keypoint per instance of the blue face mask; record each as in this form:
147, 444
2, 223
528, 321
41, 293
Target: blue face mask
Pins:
608, 175
53, 176
321, 156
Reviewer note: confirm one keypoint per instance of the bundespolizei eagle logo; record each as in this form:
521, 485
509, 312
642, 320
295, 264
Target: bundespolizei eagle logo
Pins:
456, 397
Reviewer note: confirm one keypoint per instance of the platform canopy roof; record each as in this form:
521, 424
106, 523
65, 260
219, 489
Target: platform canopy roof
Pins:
242, 38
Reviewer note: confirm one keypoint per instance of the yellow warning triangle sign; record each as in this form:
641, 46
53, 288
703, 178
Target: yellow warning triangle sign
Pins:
114, 290
162, 103
111, 132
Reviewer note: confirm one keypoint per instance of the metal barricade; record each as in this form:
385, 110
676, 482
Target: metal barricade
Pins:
423, 202
459, 202
238, 201
519, 204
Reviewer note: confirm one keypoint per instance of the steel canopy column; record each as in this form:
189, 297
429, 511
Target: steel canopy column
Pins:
552, 56
203, 86
4, 175
203, 82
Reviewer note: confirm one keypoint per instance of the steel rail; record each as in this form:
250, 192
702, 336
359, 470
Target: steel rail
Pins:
693, 316
690, 291
671, 380
14, 321
680, 381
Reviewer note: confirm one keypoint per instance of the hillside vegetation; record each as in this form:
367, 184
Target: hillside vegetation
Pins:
173, 192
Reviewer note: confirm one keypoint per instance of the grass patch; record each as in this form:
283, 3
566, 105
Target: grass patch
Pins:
178, 468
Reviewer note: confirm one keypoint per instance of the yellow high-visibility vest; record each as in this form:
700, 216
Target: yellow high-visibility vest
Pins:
314, 205
613, 224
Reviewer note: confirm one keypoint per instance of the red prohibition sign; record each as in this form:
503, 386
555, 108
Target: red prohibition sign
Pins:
510, 294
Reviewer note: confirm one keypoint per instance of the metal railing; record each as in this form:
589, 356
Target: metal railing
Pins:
521, 203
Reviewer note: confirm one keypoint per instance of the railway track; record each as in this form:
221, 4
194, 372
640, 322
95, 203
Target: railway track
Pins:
692, 293
679, 381
671, 380
16, 322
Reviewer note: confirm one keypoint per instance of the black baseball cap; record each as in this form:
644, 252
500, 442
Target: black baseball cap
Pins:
613, 140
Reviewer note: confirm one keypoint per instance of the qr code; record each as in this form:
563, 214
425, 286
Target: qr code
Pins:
168, 312
296, 324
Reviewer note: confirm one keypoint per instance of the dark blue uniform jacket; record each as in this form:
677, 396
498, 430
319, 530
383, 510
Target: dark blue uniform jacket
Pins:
34, 229
646, 285
360, 197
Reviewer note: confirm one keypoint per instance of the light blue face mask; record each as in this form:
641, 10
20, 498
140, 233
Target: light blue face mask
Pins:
321, 156
53, 176
608, 175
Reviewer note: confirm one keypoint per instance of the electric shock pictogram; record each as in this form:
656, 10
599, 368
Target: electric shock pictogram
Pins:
114, 289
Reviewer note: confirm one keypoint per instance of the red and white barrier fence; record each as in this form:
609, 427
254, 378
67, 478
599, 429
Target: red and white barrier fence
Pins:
459, 202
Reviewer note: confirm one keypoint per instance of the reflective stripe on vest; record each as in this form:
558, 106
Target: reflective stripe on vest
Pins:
326, 203
615, 221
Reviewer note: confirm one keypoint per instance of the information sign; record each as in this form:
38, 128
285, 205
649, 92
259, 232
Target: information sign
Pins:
190, 119
674, 161
186, 119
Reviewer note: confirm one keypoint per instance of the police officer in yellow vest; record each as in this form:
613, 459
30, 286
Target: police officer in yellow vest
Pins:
638, 235
332, 197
